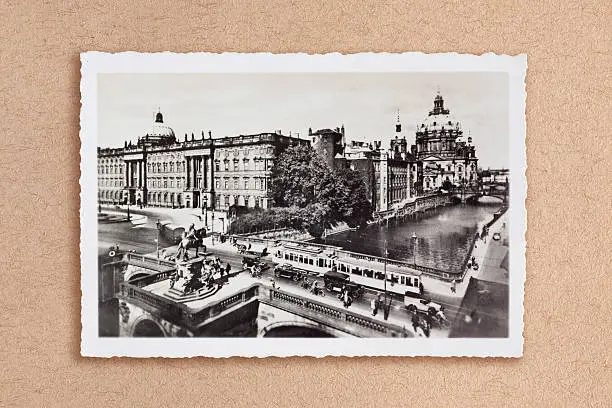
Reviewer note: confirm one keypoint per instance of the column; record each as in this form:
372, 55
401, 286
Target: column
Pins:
209, 174
202, 173
129, 172
125, 173
193, 170
187, 184
138, 174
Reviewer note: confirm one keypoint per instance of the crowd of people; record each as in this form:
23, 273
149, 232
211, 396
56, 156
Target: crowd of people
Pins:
204, 277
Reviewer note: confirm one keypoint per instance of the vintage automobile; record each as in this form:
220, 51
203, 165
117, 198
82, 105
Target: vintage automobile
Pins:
420, 305
249, 260
496, 236
289, 272
335, 281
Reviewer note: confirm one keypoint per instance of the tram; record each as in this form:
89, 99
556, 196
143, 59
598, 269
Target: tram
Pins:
362, 269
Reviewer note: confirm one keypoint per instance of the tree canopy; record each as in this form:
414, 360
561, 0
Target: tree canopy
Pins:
323, 195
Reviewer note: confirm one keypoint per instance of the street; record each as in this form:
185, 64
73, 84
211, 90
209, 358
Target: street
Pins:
141, 239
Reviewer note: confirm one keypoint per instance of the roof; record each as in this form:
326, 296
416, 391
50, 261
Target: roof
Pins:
377, 265
324, 131
336, 275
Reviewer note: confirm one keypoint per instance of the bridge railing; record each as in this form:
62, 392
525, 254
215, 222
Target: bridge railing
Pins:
318, 311
185, 316
179, 313
201, 317
147, 260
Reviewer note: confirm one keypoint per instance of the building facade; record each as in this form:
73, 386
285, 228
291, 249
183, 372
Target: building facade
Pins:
201, 171
160, 171
390, 175
443, 152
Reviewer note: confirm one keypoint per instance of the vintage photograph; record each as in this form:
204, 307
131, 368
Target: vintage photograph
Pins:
288, 200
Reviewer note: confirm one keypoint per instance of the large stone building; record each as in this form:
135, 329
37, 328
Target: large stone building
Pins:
390, 176
161, 171
396, 176
442, 150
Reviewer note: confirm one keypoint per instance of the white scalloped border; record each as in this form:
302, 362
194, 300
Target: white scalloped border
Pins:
94, 63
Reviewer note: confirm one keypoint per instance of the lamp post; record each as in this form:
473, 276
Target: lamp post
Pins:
387, 303
414, 242
158, 225
128, 207
205, 210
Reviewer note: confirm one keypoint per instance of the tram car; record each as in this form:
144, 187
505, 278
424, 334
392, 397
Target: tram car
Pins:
361, 269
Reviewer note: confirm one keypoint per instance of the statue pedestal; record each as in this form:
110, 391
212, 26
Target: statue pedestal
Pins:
176, 293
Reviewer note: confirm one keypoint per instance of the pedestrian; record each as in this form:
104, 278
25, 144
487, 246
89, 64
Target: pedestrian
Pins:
373, 306
415, 321
454, 286
228, 267
249, 247
347, 299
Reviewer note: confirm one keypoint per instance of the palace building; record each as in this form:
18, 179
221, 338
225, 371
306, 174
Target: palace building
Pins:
160, 171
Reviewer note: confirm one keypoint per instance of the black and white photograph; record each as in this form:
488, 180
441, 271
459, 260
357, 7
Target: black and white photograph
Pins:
278, 205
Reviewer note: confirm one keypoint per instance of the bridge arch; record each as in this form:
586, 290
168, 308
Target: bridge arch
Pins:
501, 197
144, 326
279, 327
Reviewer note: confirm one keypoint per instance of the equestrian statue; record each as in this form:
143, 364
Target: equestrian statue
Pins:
193, 238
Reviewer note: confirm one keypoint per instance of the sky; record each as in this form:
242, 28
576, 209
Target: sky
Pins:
365, 103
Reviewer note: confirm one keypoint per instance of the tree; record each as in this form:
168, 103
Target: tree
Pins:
322, 196
296, 175
447, 185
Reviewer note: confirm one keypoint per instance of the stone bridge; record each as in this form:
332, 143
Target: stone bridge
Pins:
145, 314
466, 194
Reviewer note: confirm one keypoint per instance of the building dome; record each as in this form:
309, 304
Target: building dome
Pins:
439, 121
439, 118
159, 133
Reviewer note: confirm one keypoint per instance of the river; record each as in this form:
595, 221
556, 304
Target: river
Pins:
443, 236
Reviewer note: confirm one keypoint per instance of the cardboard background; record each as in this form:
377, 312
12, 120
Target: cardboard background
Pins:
567, 300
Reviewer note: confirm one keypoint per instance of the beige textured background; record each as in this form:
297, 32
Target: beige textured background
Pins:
567, 302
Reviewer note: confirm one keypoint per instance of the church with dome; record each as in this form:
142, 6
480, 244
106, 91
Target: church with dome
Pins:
440, 146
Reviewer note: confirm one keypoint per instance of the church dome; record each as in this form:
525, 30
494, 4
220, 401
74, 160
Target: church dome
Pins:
439, 118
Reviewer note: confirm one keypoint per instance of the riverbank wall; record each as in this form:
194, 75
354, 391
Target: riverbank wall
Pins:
420, 205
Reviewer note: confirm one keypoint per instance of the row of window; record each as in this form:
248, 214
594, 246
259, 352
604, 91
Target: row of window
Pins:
165, 183
166, 167
222, 201
243, 165
110, 169
256, 183
110, 182
369, 273
306, 260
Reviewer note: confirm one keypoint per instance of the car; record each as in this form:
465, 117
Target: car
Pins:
420, 305
249, 261
335, 281
496, 236
289, 272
